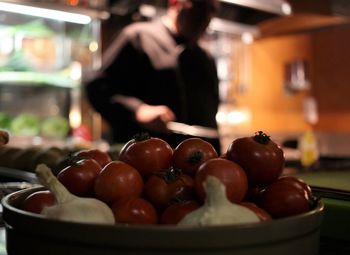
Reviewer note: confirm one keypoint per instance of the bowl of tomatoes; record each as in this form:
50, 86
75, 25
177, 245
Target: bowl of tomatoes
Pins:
152, 187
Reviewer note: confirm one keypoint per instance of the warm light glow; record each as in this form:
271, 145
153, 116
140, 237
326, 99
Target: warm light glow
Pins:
45, 13
72, 2
233, 117
221, 117
247, 38
286, 9
236, 117
93, 46
75, 118
148, 10
75, 71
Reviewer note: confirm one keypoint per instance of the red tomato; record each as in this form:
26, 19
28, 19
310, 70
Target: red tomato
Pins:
4, 137
147, 154
38, 200
163, 188
118, 180
191, 153
175, 212
260, 158
134, 210
228, 172
83, 132
101, 157
261, 213
282, 198
79, 177
298, 183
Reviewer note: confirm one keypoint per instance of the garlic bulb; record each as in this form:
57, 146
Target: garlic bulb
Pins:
217, 209
70, 207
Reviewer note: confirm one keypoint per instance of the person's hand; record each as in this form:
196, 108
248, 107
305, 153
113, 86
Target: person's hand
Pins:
154, 117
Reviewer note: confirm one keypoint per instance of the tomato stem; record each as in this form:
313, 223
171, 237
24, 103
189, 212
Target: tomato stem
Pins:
143, 136
261, 137
195, 157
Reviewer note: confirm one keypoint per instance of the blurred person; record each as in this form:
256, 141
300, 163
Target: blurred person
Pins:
156, 72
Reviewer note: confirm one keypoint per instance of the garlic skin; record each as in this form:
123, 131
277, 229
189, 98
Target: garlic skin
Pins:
217, 209
70, 207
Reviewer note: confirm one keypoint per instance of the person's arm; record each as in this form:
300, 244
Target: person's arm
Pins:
114, 93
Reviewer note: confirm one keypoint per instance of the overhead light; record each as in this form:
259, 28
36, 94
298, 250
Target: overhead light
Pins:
247, 38
45, 13
280, 7
286, 8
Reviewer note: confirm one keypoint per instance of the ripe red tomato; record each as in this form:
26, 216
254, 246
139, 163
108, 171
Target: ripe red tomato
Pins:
282, 198
298, 183
38, 200
118, 180
134, 210
101, 157
260, 158
147, 154
176, 211
228, 172
79, 177
261, 213
191, 153
165, 187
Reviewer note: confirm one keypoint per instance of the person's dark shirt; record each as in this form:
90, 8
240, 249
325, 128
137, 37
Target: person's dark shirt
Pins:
147, 62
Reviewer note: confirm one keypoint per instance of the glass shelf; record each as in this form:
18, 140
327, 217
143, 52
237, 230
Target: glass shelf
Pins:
37, 79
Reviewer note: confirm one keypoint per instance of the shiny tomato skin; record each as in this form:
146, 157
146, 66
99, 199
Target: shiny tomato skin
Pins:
282, 199
261, 213
147, 156
79, 177
263, 162
298, 183
191, 153
134, 210
176, 211
38, 200
228, 172
101, 157
116, 181
163, 188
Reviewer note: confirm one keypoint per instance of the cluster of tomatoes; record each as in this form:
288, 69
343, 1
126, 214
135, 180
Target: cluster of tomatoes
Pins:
152, 183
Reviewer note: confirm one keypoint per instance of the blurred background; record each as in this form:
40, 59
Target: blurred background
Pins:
283, 69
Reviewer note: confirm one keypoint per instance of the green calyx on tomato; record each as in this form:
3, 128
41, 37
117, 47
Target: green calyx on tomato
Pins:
259, 156
196, 157
262, 137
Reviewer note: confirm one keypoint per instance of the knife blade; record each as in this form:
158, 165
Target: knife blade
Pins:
192, 130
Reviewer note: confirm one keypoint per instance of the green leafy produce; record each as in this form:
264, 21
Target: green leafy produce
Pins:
25, 124
5, 120
55, 127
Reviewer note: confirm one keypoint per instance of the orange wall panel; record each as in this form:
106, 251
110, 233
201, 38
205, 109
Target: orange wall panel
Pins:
273, 108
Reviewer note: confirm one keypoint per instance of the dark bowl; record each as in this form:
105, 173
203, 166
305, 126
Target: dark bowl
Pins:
29, 233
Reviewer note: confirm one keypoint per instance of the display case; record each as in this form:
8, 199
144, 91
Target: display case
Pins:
45, 50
